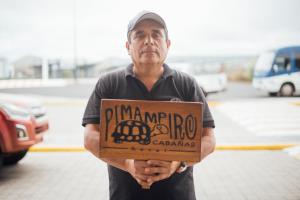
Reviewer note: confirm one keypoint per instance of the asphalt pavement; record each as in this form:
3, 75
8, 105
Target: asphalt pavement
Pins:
224, 175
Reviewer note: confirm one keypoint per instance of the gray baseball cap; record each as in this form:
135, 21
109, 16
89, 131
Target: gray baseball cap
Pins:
143, 16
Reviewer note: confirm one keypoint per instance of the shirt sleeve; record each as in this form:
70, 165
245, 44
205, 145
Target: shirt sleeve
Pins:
197, 95
92, 111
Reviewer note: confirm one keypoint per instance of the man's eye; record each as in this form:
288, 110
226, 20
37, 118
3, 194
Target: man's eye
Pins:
156, 35
139, 36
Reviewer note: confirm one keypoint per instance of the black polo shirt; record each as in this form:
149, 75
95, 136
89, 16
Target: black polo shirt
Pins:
172, 86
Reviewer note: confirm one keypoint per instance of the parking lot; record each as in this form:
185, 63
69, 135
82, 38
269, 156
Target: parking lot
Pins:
243, 120
224, 175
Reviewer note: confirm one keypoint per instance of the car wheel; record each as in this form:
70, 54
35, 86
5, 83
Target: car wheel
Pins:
13, 158
286, 90
273, 94
1, 160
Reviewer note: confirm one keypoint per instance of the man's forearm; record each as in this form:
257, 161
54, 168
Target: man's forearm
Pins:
207, 145
117, 162
92, 144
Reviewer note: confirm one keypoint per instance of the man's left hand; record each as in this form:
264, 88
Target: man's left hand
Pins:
163, 169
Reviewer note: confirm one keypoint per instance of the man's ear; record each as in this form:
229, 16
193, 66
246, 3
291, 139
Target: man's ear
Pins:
127, 47
168, 43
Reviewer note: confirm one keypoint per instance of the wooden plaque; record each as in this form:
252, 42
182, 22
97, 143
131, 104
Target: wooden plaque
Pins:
160, 130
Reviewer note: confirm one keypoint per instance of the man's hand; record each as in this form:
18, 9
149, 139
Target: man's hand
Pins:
145, 172
137, 170
160, 170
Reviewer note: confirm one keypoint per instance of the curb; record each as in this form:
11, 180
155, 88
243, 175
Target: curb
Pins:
213, 103
296, 103
57, 149
273, 147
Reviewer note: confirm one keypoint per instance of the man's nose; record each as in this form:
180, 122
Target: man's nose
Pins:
149, 40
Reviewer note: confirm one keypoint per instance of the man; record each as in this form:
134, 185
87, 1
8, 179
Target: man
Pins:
147, 78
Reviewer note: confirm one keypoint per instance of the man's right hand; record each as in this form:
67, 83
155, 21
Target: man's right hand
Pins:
137, 170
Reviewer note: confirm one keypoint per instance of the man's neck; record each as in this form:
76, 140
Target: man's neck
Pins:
153, 72
148, 74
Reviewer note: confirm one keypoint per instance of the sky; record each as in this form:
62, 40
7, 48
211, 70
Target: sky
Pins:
96, 29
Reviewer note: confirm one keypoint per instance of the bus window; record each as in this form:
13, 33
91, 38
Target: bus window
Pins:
297, 61
264, 62
282, 64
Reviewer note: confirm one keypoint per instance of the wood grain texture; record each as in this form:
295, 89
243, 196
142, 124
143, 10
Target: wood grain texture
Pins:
160, 130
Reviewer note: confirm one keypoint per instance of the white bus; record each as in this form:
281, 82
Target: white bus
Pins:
278, 72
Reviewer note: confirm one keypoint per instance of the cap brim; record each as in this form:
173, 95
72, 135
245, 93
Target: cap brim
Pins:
150, 16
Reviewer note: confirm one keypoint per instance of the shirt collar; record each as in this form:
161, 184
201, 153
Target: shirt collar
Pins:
167, 71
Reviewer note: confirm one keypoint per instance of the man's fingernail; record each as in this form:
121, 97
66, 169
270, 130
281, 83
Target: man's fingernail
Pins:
146, 169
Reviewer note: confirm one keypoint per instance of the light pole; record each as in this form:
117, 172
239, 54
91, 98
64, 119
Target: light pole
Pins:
75, 39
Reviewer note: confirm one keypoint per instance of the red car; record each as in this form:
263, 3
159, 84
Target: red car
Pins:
23, 122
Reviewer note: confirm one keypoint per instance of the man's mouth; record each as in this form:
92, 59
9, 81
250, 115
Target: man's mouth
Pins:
148, 51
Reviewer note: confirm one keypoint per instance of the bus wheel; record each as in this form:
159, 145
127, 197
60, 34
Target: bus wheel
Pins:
273, 94
286, 90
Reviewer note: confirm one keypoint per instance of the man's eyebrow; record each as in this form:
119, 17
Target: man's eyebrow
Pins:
156, 31
138, 32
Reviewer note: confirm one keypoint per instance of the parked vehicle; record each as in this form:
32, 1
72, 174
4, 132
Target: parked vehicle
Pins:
210, 77
33, 106
278, 72
23, 123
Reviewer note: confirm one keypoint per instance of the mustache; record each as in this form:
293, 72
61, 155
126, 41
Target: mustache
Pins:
148, 50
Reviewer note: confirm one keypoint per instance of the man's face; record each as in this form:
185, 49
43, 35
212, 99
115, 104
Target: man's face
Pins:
148, 43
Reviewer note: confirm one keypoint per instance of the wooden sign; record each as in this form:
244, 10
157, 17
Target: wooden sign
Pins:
160, 130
